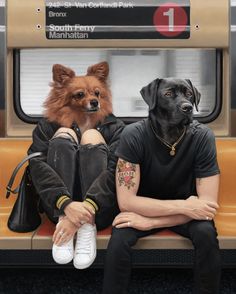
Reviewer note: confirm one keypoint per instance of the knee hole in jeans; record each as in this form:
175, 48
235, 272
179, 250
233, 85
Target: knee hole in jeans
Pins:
92, 137
66, 133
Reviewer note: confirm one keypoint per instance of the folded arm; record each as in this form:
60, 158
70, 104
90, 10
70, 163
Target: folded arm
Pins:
162, 213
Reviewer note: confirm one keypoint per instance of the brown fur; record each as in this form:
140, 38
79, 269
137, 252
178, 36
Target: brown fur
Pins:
64, 107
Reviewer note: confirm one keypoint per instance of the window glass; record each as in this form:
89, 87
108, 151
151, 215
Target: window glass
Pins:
130, 70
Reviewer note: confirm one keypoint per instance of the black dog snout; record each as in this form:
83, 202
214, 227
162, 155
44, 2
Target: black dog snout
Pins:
187, 108
94, 103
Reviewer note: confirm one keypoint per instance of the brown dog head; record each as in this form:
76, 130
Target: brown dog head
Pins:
82, 99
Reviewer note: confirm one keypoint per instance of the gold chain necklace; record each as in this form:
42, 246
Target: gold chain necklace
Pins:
171, 146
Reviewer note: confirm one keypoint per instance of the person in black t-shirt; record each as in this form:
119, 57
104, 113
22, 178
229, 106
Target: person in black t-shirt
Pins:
167, 176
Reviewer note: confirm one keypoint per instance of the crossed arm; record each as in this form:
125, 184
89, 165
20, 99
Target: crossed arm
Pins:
145, 213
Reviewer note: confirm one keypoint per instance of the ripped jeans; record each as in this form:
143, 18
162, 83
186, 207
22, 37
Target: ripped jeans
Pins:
77, 165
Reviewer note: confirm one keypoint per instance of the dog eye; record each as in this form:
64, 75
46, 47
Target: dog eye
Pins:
189, 93
168, 93
97, 93
78, 95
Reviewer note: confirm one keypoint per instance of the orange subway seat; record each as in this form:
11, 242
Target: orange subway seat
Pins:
12, 151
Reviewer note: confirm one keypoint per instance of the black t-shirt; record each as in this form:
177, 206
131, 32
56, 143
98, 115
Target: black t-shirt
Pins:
164, 176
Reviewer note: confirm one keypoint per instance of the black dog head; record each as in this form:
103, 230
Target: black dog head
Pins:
171, 100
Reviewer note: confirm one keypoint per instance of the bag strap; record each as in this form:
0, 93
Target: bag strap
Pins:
12, 178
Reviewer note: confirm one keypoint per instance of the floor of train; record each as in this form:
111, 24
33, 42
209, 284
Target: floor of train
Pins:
70, 281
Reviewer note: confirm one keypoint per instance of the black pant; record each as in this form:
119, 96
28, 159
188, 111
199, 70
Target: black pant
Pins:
77, 165
207, 267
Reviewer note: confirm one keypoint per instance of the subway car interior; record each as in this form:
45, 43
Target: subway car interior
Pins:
36, 34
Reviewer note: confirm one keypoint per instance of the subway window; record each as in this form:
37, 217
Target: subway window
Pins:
130, 70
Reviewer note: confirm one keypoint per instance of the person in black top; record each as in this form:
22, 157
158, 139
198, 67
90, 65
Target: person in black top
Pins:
75, 174
167, 176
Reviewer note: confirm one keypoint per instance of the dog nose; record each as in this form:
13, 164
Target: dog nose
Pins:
94, 103
187, 108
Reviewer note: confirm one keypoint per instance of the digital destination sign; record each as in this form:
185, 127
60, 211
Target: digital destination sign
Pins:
117, 19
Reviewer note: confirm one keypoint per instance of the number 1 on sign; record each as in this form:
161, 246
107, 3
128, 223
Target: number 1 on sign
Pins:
170, 14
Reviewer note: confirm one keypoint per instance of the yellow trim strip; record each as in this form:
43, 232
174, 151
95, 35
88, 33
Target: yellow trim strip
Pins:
94, 204
61, 200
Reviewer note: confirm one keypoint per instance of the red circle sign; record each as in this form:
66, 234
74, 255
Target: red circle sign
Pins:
170, 19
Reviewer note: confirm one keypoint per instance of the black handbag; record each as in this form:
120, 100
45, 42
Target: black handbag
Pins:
24, 216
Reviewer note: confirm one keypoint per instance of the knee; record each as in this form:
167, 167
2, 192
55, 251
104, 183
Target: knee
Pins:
93, 137
66, 133
121, 240
204, 234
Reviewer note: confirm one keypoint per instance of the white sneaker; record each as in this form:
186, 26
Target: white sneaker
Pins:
64, 253
85, 247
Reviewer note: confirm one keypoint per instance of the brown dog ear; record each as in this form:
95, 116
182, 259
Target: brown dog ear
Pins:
149, 93
196, 94
99, 70
61, 73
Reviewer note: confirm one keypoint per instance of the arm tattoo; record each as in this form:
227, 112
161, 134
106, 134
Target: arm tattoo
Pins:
126, 173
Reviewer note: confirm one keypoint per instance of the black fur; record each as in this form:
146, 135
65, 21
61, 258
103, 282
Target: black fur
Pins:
170, 104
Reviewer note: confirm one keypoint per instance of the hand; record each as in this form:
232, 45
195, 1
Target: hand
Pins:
200, 209
133, 220
65, 230
79, 213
